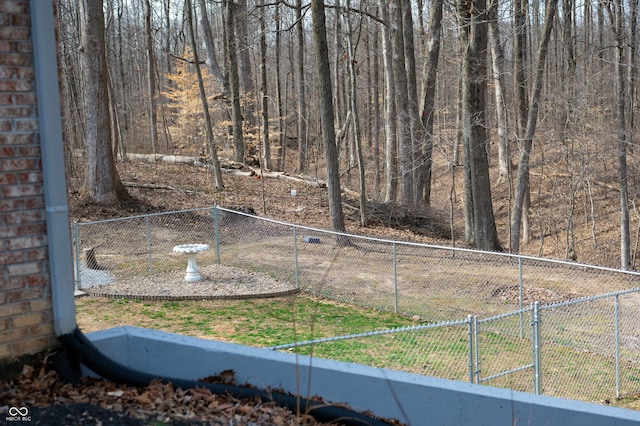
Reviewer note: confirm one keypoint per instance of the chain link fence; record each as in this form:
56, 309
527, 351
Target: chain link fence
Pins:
480, 320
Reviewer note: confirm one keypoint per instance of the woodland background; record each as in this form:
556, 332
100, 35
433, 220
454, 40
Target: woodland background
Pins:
509, 124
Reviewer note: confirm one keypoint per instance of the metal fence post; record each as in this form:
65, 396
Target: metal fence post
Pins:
395, 279
616, 315
520, 296
476, 341
470, 342
146, 221
295, 254
535, 340
76, 247
216, 232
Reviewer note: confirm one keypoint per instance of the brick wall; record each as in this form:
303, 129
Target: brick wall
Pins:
26, 318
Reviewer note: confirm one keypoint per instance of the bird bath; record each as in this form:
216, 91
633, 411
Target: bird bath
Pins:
191, 250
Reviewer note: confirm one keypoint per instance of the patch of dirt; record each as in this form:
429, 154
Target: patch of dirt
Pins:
511, 295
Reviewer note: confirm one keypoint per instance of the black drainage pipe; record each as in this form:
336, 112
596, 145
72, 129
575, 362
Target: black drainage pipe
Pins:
79, 347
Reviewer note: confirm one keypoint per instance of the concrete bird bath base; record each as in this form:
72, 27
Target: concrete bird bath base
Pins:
192, 267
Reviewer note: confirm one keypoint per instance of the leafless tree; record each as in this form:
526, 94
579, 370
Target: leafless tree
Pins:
103, 183
326, 112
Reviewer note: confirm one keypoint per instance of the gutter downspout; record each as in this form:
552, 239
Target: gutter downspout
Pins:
53, 165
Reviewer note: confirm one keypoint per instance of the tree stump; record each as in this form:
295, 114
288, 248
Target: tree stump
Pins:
90, 258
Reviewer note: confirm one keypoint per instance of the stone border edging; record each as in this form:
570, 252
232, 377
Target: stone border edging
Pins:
150, 297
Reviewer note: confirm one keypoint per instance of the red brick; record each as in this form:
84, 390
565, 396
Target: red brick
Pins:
10, 257
33, 203
5, 351
6, 72
30, 177
21, 190
34, 229
12, 33
40, 330
41, 281
15, 283
13, 309
32, 346
8, 179
14, 335
7, 151
14, 7
16, 112
27, 320
6, 125
24, 99
6, 46
19, 20
35, 255
6, 99
21, 164
22, 295
25, 242
16, 59
13, 139
16, 85
40, 305
25, 216
26, 125
23, 46
4, 324
29, 151
26, 73
6, 205
28, 268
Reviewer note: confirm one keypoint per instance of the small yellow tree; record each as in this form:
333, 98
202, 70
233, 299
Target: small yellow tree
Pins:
185, 108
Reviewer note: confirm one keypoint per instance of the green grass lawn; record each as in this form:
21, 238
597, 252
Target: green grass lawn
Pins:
441, 352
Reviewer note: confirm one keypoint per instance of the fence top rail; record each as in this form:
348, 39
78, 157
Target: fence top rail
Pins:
506, 314
372, 333
590, 298
140, 216
519, 257
438, 247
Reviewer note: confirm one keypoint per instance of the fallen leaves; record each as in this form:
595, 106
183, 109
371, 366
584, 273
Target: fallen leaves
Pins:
101, 402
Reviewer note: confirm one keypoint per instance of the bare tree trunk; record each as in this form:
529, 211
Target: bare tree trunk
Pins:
632, 72
326, 112
103, 183
402, 103
497, 65
279, 99
217, 171
375, 124
522, 182
354, 115
391, 146
475, 139
521, 101
266, 148
428, 98
243, 49
234, 81
620, 33
153, 117
415, 128
212, 62
302, 101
